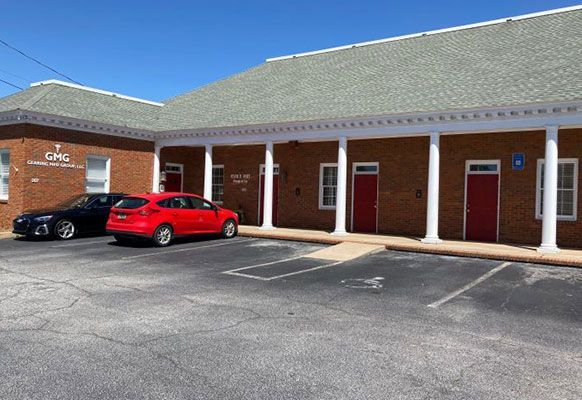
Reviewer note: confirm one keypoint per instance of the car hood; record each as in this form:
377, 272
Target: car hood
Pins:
37, 212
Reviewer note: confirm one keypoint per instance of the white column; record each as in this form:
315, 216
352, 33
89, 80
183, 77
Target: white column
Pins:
550, 192
208, 172
342, 178
268, 189
156, 172
432, 201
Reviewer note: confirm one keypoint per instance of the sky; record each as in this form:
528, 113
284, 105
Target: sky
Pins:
159, 49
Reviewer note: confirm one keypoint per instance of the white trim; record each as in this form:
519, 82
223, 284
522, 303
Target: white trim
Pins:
354, 173
5, 197
107, 187
218, 166
181, 172
468, 164
276, 169
538, 213
320, 201
433, 32
95, 90
477, 120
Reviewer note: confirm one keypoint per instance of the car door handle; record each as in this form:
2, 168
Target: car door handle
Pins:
175, 214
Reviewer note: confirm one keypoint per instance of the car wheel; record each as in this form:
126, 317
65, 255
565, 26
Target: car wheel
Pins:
229, 229
163, 235
65, 230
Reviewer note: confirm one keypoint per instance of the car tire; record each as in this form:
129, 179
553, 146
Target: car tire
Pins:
163, 236
65, 230
229, 229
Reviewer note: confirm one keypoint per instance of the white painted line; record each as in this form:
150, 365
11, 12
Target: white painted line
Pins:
470, 285
81, 243
229, 242
260, 278
264, 264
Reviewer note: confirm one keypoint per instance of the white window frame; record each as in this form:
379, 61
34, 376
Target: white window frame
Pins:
4, 197
321, 205
218, 166
572, 217
107, 169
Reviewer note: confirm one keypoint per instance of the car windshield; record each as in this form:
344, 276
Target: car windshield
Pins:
76, 202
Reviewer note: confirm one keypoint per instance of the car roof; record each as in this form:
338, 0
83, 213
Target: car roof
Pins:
163, 195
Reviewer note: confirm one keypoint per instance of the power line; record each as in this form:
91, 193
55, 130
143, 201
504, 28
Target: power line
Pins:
38, 62
10, 84
20, 78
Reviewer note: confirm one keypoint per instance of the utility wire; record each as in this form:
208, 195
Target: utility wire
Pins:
20, 78
38, 62
10, 84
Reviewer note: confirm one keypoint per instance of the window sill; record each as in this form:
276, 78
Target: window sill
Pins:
3, 201
560, 219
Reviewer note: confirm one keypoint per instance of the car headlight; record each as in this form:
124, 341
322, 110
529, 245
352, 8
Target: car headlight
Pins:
46, 218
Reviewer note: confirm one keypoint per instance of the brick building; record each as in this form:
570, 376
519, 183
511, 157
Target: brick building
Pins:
444, 134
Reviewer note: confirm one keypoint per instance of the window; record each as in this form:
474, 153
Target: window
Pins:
567, 189
4, 173
131, 203
100, 202
180, 202
327, 186
200, 204
97, 174
218, 183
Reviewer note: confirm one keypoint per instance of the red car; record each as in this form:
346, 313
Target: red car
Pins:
163, 216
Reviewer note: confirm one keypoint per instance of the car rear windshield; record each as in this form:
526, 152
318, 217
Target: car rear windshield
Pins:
131, 203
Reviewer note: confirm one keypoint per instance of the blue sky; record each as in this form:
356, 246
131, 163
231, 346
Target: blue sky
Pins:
158, 49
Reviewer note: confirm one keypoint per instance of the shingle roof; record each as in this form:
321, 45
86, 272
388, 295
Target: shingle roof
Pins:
69, 101
516, 62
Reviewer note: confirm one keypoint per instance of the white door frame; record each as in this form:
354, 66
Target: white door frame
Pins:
276, 170
468, 164
181, 172
354, 173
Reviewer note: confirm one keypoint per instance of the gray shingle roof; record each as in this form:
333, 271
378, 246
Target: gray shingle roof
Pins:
534, 60
518, 62
57, 99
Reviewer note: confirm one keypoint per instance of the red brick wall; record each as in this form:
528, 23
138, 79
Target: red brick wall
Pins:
131, 165
403, 171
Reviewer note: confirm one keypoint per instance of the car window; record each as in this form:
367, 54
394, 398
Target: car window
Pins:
200, 204
131, 203
101, 201
180, 202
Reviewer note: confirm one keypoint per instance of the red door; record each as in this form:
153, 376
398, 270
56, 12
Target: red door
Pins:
481, 209
365, 203
275, 199
173, 182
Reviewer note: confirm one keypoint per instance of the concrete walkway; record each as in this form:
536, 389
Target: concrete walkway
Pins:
496, 251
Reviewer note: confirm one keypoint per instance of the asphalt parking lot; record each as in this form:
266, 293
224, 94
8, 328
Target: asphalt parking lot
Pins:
90, 319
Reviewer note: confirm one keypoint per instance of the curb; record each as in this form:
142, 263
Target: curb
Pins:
427, 249
7, 235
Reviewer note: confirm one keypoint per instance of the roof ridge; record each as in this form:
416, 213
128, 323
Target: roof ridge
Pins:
432, 32
95, 90
37, 97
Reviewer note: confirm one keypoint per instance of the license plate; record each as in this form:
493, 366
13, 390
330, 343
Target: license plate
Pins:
121, 216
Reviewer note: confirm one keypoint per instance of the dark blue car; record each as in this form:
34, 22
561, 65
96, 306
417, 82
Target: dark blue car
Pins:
82, 214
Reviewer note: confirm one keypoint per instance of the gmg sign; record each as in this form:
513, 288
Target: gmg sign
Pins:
56, 159
57, 155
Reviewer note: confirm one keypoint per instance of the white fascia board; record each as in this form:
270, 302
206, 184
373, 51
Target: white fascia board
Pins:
427, 33
27, 117
502, 124
94, 90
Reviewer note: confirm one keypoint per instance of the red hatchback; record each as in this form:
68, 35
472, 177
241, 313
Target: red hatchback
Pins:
163, 216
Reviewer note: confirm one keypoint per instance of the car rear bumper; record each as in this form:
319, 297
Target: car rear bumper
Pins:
124, 231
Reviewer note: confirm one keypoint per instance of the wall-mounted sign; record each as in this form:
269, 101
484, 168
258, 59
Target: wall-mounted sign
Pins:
240, 179
518, 161
57, 159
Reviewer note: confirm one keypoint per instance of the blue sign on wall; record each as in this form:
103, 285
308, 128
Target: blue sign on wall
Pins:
518, 161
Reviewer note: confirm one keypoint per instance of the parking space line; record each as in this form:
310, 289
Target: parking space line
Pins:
236, 272
187, 249
469, 286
